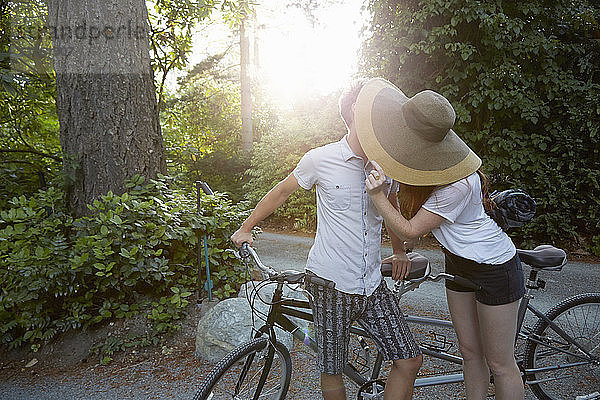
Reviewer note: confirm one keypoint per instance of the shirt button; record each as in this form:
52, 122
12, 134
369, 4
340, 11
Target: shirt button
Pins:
365, 233
365, 191
365, 254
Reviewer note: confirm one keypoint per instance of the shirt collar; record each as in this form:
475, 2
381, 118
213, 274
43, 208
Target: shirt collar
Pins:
346, 150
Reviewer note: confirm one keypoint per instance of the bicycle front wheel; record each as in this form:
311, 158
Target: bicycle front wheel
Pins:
239, 374
567, 371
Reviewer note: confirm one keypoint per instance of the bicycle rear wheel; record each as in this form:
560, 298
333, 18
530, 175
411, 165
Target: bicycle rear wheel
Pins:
578, 317
237, 376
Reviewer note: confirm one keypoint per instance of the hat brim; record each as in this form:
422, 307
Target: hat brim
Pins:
405, 155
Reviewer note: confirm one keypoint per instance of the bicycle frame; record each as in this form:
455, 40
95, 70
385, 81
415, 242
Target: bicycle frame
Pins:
281, 308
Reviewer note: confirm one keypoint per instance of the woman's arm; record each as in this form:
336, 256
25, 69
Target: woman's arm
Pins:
423, 222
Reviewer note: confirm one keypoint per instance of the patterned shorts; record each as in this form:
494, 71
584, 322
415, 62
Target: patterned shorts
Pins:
379, 314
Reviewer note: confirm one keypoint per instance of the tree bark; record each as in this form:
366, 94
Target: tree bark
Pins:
109, 126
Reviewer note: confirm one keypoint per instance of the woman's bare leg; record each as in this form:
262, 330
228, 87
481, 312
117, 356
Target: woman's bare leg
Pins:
498, 329
463, 309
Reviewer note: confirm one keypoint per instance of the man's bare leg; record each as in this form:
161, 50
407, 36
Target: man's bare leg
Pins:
332, 387
400, 383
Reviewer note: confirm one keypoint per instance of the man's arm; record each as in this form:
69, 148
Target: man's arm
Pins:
399, 260
265, 207
397, 243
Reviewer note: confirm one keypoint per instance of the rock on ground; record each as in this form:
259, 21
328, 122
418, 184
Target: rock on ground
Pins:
227, 325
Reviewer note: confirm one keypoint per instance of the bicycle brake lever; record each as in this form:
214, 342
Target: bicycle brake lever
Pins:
244, 250
234, 252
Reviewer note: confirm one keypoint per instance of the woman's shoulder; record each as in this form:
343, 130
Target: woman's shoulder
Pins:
461, 187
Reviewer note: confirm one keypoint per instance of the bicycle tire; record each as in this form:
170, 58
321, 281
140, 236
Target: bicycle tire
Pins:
579, 317
225, 375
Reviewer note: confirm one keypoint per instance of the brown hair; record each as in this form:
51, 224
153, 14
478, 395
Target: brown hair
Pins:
412, 198
488, 203
347, 98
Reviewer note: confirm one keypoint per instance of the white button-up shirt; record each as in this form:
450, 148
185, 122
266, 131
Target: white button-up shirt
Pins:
347, 248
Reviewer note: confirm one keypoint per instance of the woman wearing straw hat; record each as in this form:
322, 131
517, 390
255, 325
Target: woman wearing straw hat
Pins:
443, 191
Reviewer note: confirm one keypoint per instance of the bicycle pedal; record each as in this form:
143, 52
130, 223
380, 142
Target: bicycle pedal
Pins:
372, 390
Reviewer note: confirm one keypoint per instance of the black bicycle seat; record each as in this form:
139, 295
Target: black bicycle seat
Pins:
289, 276
418, 266
544, 257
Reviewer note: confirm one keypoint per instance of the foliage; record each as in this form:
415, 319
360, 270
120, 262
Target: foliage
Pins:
171, 29
29, 143
524, 80
134, 254
595, 247
310, 124
201, 129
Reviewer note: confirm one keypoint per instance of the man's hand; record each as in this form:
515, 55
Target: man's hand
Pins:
400, 265
240, 236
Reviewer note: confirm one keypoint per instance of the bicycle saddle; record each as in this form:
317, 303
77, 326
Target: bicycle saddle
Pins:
418, 266
544, 257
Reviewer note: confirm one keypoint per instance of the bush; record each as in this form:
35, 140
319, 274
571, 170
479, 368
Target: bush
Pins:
595, 247
134, 253
523, 79
202, 132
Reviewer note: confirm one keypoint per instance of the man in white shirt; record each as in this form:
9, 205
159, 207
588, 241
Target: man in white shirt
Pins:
346, 255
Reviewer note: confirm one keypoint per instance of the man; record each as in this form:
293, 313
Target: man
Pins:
346, 253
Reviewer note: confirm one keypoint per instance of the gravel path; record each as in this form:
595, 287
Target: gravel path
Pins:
175, 373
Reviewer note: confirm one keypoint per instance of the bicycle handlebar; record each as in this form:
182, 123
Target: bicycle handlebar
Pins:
247, 251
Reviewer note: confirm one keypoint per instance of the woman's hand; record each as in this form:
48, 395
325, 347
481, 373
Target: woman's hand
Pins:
375, 179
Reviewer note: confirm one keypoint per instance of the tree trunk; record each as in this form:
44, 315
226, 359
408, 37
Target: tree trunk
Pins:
246, 100
109, 127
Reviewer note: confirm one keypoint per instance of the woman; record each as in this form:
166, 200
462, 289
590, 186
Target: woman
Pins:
443, 192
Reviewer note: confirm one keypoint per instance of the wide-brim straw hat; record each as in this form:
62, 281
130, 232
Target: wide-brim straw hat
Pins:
411, 138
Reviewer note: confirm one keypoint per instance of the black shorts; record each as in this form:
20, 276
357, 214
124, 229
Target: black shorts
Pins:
501, 283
